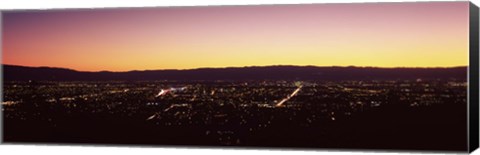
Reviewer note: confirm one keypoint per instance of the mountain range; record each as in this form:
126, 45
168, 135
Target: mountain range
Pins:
283, 72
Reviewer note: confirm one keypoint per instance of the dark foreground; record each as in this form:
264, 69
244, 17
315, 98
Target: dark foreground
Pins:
413, 115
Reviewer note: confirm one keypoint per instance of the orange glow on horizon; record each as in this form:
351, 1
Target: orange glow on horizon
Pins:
427, 34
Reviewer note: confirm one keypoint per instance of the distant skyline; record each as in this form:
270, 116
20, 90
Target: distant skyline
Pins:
420, 34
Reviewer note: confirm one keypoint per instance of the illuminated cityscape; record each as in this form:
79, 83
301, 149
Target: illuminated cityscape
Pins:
233, 113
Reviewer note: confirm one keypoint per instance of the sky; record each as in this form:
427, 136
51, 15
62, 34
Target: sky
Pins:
421, 34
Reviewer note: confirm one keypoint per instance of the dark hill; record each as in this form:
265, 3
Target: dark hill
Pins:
20, 73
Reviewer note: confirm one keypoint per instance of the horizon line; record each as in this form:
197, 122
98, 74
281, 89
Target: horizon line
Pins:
278, 65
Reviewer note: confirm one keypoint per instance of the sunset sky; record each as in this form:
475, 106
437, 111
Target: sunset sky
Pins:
422, 34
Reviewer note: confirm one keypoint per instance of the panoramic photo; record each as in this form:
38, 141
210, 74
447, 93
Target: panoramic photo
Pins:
319, 76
